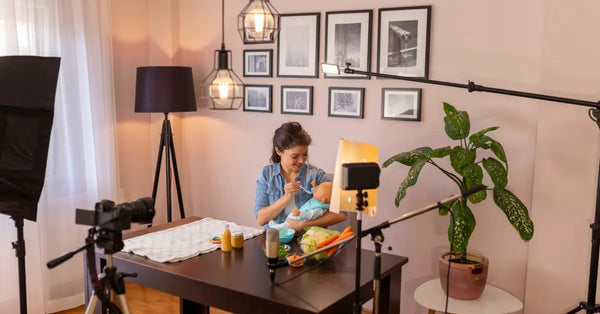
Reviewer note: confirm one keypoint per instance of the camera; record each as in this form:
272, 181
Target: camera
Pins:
108, 216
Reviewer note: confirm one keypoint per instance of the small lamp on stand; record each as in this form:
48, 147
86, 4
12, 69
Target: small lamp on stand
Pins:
165, 89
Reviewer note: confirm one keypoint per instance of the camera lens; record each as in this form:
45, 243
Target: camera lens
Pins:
142, 210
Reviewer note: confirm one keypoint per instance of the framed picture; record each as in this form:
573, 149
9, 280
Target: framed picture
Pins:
258, 98
258, 63
346, 102
298, 45
401, 104
348, 40
403, 46
296, 99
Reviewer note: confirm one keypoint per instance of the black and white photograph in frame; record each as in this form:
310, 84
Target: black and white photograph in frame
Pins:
296, 99
401, 104
348, 40
403, 45
346, 102
258, 98
257, 63
298, 45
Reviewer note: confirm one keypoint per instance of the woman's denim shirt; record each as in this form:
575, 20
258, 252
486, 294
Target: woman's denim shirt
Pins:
269, 187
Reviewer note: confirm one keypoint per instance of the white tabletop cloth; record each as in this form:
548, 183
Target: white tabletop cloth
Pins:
185, 241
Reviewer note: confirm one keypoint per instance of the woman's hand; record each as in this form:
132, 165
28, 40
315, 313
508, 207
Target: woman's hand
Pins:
297, 225
291, 188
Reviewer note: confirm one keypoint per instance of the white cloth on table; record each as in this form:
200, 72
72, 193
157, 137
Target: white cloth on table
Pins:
185, 241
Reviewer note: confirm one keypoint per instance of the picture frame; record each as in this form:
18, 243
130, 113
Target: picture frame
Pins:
346, 102
348, 40
258, 63
297, 99
298, 45
403, 45
258, 98
401, 104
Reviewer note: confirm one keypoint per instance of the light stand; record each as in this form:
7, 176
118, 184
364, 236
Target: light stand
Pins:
165, 89
589, 306
27, 93
377, 236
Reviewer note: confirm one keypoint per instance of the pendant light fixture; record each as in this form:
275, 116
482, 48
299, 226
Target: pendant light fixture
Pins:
258, 22
225, 88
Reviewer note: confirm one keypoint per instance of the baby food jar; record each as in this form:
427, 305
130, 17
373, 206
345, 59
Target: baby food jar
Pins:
237, 240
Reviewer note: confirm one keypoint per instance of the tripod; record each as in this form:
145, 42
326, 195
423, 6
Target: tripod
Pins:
109, 287
166, 143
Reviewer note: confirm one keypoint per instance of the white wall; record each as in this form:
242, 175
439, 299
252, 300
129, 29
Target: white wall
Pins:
538, 46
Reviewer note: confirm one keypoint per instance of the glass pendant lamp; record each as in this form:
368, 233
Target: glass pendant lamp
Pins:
258, 22
225, 88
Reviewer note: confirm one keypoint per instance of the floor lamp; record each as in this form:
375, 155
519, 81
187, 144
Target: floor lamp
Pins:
590, 305
165, 89
27, 91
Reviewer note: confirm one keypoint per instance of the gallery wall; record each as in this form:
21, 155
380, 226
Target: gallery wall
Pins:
537, 46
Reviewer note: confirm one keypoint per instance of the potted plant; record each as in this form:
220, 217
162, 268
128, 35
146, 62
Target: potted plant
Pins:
466, 170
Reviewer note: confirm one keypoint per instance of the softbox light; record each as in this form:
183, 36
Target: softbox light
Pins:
27, 90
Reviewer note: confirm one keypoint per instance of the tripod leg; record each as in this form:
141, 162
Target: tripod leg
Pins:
121, 302
176, 173
92, 305
167, 146
158, 162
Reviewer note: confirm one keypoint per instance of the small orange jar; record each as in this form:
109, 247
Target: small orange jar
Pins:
237, 240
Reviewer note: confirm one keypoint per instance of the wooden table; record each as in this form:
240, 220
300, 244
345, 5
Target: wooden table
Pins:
492, 301
239, 281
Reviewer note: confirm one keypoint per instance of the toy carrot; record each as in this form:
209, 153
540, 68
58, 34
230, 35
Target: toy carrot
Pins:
327, 241
340, 238
347, 229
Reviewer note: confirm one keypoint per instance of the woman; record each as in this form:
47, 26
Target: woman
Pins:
278, 188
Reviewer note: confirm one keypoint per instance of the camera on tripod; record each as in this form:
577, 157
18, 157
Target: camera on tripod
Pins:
110, 220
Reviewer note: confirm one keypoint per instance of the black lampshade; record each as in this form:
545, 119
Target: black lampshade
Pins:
164, 89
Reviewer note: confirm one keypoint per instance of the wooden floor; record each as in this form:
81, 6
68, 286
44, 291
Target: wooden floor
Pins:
146, 300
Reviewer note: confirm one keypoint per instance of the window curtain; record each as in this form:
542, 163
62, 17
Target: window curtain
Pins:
82, 163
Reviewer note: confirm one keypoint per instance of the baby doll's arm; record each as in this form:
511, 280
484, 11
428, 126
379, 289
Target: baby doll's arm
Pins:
313, 183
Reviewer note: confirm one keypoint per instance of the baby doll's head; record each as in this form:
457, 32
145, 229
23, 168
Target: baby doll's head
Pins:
322, 192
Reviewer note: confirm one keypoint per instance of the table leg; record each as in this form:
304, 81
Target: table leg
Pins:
191, 307
431, 312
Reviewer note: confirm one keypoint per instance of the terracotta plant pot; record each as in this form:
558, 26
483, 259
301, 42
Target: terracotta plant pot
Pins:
467, 281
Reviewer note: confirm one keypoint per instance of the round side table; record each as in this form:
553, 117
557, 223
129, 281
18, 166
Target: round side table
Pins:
492, 301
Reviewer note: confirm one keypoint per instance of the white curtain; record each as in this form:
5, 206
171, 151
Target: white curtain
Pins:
81, 165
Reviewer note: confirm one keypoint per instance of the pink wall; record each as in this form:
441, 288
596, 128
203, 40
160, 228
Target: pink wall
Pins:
537, 46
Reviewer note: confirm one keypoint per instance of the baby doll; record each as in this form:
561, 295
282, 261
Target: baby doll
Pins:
313, 208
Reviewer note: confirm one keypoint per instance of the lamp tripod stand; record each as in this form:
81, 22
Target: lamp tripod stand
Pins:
590, 306
166, 144
165, 89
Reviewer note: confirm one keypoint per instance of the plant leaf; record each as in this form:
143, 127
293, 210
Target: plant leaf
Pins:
460, 157
439, 152
481, 140
473, 177
499, 151
456, 122
515, 211
463, 226
410, 180
409, 158
496, 171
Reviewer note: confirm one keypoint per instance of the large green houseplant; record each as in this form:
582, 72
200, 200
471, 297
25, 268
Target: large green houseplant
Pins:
466, 161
